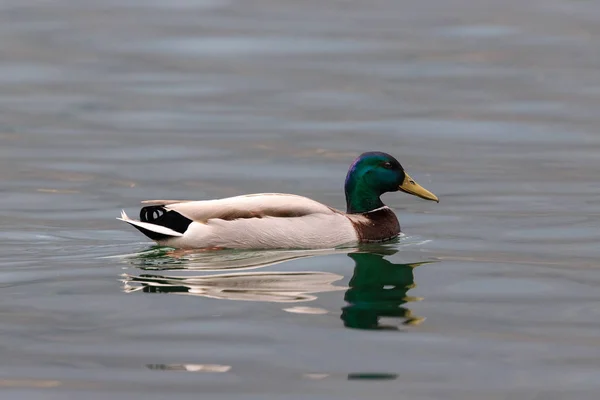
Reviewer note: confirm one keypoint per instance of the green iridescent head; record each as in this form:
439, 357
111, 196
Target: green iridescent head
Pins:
373, 174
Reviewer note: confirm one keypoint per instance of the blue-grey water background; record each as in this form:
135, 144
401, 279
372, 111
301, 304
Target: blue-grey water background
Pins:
492, 105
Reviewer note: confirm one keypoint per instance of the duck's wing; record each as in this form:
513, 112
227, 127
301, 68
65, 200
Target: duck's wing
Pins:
257, 205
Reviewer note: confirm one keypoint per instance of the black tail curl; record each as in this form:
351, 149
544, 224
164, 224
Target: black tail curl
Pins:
151, 214
158, 215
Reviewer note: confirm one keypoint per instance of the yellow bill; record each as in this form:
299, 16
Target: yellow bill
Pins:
411, 187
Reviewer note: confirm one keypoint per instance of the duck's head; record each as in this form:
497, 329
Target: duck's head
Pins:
374, 173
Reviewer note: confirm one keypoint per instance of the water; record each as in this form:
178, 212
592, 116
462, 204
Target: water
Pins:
491, 105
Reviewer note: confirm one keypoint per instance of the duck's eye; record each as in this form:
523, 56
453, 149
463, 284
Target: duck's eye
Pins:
387, 165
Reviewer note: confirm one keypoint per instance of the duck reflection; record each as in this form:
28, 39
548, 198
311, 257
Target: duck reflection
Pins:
378, 287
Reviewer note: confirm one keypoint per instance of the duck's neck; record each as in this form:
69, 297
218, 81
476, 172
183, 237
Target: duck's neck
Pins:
361, 198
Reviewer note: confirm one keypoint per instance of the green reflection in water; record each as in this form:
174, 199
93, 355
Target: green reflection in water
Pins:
372, 376
378, 288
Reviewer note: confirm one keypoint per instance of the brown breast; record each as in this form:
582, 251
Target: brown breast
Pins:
376, 226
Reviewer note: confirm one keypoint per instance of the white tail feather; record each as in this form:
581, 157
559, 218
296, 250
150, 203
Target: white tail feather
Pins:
150, 227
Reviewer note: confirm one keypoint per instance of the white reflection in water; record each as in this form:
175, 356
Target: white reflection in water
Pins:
280, 287
190, 367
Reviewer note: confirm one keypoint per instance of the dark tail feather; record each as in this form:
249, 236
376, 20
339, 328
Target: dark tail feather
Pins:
158, 215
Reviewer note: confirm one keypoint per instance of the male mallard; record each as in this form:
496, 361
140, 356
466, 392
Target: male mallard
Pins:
276, 220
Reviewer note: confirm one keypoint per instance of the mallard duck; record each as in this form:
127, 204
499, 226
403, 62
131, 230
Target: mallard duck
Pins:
279, 220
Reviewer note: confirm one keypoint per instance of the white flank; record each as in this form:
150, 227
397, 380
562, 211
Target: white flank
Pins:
311, 231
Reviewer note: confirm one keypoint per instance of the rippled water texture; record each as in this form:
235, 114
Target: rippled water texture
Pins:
492, 105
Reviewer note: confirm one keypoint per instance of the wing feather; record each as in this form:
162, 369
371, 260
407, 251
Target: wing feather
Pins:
257, 205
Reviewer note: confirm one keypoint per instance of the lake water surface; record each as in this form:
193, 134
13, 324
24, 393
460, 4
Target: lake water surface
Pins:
494, 293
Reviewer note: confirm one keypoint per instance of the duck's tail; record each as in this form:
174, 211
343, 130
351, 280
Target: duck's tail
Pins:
153, 231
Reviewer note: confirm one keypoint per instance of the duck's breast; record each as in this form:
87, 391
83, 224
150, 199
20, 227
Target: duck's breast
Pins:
376, 226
